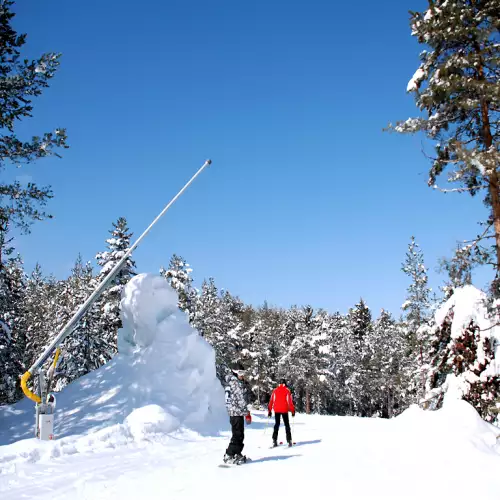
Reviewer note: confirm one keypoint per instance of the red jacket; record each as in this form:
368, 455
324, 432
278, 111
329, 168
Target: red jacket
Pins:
281, 400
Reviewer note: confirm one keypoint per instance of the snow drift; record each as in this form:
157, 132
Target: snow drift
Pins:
162, 381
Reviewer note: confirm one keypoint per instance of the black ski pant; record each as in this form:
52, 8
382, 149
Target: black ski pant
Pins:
286, 421
238, 429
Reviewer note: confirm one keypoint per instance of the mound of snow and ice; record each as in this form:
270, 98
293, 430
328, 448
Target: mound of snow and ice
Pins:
162, 380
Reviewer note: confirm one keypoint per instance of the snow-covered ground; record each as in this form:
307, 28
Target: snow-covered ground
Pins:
415, 456
151, 423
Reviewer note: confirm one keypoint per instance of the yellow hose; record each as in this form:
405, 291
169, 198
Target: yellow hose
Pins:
56, 357
27, 392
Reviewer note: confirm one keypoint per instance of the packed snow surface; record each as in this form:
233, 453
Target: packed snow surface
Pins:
152, 424
449, 453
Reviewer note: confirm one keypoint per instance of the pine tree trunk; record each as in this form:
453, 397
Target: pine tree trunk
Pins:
493, 183
308, 402
390, 404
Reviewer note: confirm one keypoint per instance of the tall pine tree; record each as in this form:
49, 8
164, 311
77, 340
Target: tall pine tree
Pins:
109, 302
457, 87
21, 80
178, 275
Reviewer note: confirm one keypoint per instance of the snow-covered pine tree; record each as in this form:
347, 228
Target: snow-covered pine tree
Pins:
321, 344
416, 310
86, 348
463, 346
40, 310
21, 79
390, 366
360, 326
458, 270
178, 275
268, 350
109, 302
297, 362
342, 364
218, 319
360, 320
206, 317
457, 86
12, 337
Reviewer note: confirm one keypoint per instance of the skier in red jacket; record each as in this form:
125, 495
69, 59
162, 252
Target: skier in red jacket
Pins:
281, 401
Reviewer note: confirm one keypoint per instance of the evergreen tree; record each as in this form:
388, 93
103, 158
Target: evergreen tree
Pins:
178, 275
20, 81
298, 363
459, 270
390, 366
360, 320
109, 302
40, 313
457, 87
86, 348
360, 326
462, 355
416, 309
207, 312
11, 332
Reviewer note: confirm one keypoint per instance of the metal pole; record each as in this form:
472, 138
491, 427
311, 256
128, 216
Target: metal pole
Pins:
79, 314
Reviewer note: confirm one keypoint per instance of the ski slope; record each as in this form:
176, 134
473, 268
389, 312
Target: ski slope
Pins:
151, 423
414, 456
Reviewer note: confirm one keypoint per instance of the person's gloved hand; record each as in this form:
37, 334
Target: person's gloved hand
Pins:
269, 414
293, 414
248, 418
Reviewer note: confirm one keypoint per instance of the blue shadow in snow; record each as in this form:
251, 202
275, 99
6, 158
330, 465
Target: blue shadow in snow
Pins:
303, 443
271, 459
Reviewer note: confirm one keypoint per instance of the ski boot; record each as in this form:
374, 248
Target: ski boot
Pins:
228, 459
275, 443
239, 459
290, 443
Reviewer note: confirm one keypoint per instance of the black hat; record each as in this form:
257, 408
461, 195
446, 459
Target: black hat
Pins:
283, 381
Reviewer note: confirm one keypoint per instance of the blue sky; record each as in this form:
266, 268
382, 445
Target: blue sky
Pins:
307, 200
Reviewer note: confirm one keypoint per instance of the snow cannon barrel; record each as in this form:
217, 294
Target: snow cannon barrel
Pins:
72, 324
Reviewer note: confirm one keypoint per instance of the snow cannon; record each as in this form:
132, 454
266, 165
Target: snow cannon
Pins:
45, 401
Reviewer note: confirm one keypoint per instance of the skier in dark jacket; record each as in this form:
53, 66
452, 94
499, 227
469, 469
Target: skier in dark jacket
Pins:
282, 402
237, 408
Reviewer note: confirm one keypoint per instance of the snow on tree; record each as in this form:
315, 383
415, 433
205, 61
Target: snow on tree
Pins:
21, 80
303, 360
109, 302
40, 313
178, 276
267, 350
465, 351
390, 366
360, 320
356, 356
459, 270
457, 88
207, 313
86, 348
218, 319
12, 337
416, 308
